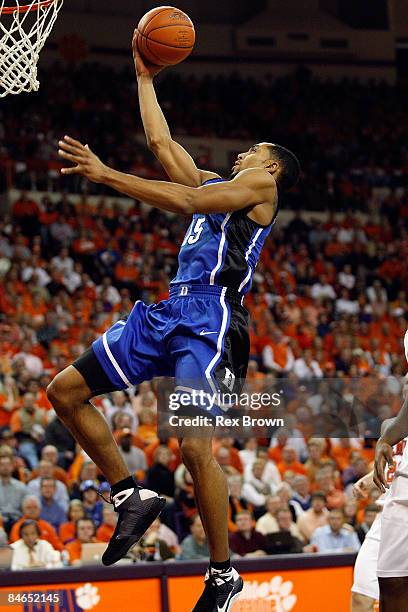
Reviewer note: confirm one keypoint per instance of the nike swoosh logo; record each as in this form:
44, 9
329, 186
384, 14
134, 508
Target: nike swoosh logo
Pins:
206, 333
225, 607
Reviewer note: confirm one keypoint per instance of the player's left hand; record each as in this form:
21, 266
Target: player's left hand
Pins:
86, 162
362, 486
383, 457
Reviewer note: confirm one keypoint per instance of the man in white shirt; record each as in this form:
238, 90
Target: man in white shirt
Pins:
306, 367
31, 552
322, 289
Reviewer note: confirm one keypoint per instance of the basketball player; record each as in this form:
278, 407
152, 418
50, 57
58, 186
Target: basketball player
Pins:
365, 589
201, 332
392, 569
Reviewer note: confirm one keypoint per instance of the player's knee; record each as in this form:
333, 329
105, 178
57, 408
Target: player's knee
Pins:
361, 603
195, 452
64, 394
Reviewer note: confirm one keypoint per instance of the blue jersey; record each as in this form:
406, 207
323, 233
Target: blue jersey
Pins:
221, 249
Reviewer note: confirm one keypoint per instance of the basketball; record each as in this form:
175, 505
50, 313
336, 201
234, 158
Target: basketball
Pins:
165, 36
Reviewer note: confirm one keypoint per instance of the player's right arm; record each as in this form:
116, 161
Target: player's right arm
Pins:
392, 431
178, 164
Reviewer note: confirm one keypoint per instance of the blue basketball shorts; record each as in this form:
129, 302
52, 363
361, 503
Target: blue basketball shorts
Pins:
199, 337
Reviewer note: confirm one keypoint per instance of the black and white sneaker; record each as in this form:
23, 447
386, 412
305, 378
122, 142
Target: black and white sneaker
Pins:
220, 592
137, 509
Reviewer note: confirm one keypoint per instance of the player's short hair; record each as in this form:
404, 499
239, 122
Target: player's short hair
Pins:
318, 495
290, 166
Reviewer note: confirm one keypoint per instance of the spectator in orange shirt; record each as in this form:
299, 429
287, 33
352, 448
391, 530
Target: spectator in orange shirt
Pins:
289, 462
342, 453
277, 355
76, 511
31, 509
85, 531
234, 459
325, 483
106, 529
28, 424
236, 502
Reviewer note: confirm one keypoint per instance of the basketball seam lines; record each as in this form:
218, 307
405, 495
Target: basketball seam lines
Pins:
155, 15
173, 25
163, 44
150, 51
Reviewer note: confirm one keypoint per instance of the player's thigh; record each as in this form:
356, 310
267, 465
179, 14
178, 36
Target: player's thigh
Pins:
132, 350
365, 569
362, 603
216, 361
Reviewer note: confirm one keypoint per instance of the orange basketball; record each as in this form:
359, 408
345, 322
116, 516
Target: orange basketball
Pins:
165, 36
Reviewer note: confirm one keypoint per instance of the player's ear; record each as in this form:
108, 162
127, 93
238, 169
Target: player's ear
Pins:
271, 165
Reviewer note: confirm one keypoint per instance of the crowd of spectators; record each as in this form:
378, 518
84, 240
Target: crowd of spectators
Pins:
347, 143
328, 310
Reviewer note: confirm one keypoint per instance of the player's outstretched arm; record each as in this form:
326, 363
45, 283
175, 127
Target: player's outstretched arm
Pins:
178, 164
392, 431
253, 189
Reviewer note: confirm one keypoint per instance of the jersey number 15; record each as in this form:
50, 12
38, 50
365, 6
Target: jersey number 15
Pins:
194, 235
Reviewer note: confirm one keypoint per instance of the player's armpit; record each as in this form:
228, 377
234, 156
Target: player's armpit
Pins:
249, 188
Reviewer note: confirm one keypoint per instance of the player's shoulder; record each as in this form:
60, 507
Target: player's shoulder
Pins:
207, 175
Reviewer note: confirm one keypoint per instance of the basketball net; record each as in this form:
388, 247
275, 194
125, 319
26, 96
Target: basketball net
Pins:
24, 28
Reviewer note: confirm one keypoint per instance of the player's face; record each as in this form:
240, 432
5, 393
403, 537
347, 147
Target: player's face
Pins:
257, 156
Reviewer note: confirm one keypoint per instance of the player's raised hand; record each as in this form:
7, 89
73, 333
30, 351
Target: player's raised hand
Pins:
86, 162
143, 68
383, 457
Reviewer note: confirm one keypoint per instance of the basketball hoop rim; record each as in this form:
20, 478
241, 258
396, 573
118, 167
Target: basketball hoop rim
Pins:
27, 8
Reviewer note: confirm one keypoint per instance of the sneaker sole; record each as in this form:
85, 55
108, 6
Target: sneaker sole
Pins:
130, 541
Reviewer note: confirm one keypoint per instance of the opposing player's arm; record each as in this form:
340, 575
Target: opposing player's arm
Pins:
178, 164
392, 431
252, 188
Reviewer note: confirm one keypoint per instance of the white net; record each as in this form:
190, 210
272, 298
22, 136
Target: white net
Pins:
24, 28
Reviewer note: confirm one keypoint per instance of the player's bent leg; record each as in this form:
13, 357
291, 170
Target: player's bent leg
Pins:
222, 583
137, 508
69, 394
393, 594
362, 603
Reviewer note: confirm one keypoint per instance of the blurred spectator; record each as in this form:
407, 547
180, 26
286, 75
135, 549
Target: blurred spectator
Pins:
267, 523
84, 534
334, 537
28, 424
56, 434
30, 551
107, 527
370, 514
134, 457
159, 477
315, 517
31, 509
51, 511
301, 487
195, 545
290, 543
12, 493
75, 512
92, 505
289, 461
236, 502
46, 470
246, 541
50, 453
